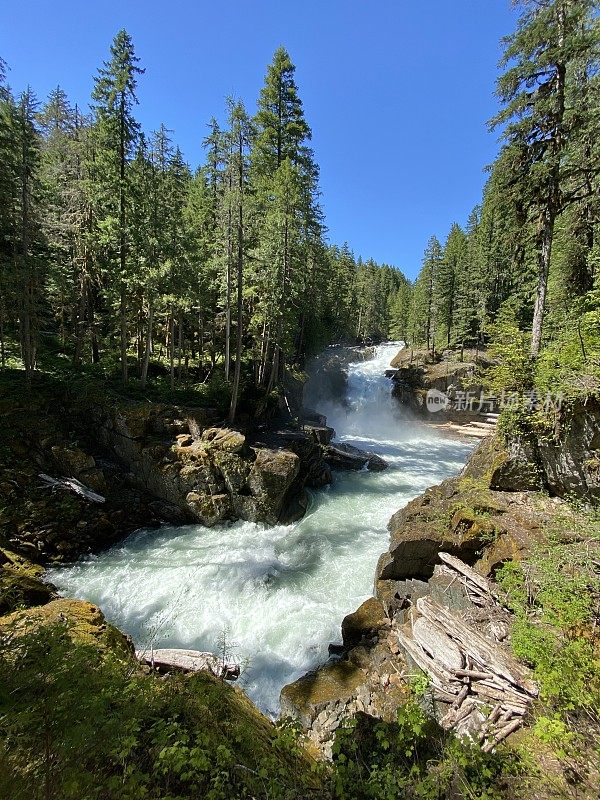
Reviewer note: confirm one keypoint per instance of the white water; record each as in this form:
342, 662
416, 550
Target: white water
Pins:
280, 592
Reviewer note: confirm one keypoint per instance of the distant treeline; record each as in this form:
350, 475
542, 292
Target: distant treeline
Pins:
109, 240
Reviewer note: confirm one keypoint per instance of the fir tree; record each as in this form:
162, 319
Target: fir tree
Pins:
117, 131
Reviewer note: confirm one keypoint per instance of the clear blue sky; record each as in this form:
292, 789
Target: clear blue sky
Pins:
397, 92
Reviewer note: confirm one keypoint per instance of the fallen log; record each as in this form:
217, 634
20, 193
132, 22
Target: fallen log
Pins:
72, 485
481, 584
502, 734
440, 678
490, 694
461, 696
167, 659
456, 715
444, 697
436, 642
495, 714
487, 655
472, 673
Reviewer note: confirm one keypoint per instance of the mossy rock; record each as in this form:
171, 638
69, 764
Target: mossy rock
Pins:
367, 620
225, 439
20, 590
137, 418
307, 697
228, 719
86, 624
209, 509
19, 563
72, 460
235, 470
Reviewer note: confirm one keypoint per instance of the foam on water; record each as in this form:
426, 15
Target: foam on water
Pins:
280, 592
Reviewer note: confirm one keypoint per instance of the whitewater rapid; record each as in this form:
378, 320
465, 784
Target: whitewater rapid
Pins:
278, 593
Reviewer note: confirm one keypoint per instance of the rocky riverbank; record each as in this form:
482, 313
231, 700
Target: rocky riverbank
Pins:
415, 372
425, 613
145, 464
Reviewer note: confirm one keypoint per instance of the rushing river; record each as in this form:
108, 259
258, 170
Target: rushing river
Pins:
279, 593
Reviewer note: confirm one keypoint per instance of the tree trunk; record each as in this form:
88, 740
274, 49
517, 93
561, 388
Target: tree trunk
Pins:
172, 347
123, 316
228, 287
148, 347
2, 351
551, 209
544, 254
179, 345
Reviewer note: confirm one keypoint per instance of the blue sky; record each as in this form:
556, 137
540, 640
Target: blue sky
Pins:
397, 92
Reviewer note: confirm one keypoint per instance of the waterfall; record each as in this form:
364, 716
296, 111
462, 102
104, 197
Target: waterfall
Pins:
276, 595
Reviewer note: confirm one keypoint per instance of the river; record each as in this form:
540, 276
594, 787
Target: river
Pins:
276, 595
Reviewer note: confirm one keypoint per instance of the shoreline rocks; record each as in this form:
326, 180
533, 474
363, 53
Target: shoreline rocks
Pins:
153, 463
473, 520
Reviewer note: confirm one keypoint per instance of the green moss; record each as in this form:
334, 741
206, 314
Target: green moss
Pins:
81, 719
366, 620
19, 590
85, 622
332, 682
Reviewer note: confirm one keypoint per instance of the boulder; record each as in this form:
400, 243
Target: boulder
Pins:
365, 622
570, 459
209, 509
346, 457
321, 434
312, 693
21, 584
84, 621
376, 463
518, 470
462, 518
272, 474
224, 439
234, 469
73, 461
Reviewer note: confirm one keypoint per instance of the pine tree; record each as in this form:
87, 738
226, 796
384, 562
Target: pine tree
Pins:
552, 37
117, 132
284, 176
29, 256
449, 271
282, 131
400, 305
424, 317
7, 171
66, 217
240, 136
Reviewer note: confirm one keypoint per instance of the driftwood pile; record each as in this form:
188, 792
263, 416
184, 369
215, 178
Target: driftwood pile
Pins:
171, 659
71, 485
467, 669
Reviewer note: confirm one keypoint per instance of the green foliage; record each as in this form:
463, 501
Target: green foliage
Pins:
509, 347
411, 758
556, 598
140, 269
78, 723
554, 732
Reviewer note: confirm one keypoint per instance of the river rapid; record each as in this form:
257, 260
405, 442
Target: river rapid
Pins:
278, 595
